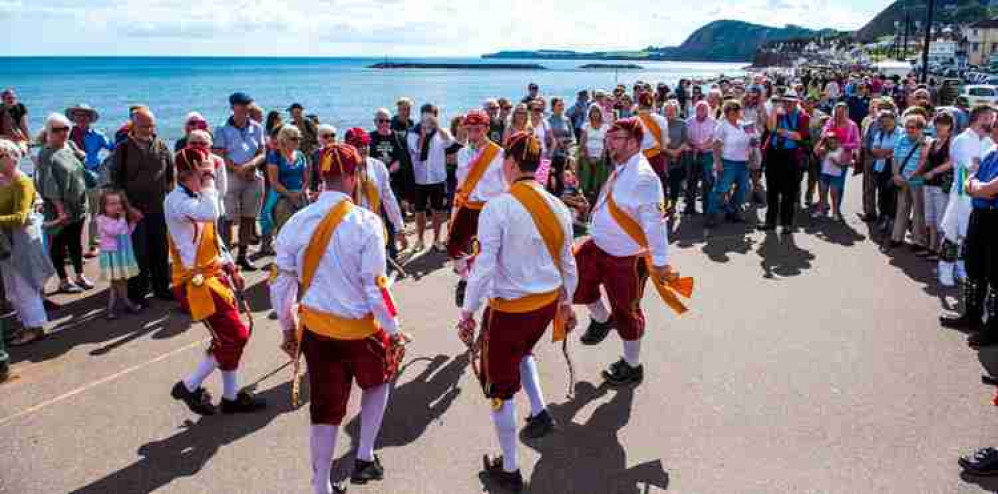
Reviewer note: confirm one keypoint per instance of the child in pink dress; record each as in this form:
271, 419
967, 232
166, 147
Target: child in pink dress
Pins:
117, 260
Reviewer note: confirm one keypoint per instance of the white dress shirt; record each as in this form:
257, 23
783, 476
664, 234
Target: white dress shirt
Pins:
514, 261
345, 282
493, 181
184, 211
648, 141
434, 169
378, 173
638, 192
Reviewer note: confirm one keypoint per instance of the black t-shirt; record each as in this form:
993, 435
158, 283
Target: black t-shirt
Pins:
17, 112
388, 149
496, 129
402, 127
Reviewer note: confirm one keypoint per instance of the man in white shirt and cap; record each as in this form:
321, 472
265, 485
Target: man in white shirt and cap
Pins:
526, 272
629, 242
345, 324
479, 178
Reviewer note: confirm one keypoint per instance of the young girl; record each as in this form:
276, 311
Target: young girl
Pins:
117, 261
833, 174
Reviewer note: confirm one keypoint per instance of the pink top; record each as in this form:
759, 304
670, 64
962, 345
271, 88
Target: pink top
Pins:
848, 135
109, 229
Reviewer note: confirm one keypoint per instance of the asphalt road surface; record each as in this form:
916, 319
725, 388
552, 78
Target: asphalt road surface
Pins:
811, 365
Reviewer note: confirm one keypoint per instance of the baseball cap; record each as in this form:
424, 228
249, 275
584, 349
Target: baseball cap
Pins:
240, 98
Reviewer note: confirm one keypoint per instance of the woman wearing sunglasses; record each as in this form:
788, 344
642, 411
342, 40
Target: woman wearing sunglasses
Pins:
287, 173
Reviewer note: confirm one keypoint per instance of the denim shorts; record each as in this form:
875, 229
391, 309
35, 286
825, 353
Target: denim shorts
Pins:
833, 181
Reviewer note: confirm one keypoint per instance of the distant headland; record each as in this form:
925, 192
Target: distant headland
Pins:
459, 66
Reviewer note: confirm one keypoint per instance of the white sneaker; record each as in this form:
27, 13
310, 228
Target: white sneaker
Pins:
946, 270
84, 283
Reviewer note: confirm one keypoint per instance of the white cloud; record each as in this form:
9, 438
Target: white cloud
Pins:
392, 27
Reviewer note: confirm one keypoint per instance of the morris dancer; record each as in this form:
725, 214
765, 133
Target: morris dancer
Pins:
629, 239
656, 133
346, 326
479, 178
203, 278
374, 190
527, 272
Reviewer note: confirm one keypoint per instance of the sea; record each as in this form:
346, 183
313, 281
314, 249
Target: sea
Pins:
341, 91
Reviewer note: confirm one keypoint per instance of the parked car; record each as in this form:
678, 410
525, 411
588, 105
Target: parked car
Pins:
980, 94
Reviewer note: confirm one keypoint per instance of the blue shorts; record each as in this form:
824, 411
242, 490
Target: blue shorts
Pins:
832, 181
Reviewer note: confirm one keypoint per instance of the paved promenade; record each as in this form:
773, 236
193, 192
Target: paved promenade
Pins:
807, 366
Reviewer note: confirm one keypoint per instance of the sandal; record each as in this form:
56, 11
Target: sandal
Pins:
27, 336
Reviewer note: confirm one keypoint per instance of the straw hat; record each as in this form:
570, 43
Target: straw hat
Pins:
82, 108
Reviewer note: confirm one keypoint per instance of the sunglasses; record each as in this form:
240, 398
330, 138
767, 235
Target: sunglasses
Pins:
912, 127
327, 136
198, 144
381, 120
198, 125
60, 130
294, 139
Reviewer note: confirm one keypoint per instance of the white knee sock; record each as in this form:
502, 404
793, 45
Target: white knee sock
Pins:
505, 422
230, 385
632, 352
203, 370
532, 384
372, 410
598, 312
323, 445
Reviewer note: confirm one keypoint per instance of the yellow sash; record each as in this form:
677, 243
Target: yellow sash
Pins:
373, 197
324, 323
553, 235
371, 194
656, 132
202, 279
665, 289
475, 174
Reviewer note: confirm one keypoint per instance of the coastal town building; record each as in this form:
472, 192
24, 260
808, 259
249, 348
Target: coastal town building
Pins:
982, 41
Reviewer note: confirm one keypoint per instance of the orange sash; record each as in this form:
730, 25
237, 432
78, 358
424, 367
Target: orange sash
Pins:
656, 132
665, 289
475, 174
202, 279
554, 238
324, 323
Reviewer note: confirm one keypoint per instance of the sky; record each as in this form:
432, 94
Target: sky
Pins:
386, 27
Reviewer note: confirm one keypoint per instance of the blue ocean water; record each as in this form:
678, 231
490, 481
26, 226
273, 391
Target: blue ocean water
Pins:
342, 91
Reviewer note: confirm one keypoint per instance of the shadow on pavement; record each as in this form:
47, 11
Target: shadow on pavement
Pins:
423, 264
781, 257
718, 247
589, 458
86, 324
989, 484
836, 232
185, 453
412, 407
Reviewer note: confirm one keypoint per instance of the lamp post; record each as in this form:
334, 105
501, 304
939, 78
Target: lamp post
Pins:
928, 39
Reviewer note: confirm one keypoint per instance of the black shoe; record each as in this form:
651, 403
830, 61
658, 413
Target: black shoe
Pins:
868, 218
538, 426
620, 374
962, 321
596, 332
165, 295
736, 217
984, 462
244, 403
765, 227
142, 302
199, 401
246, 265
983, 339
4, 371
511, 481
787, 230
459, 293
366, 471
